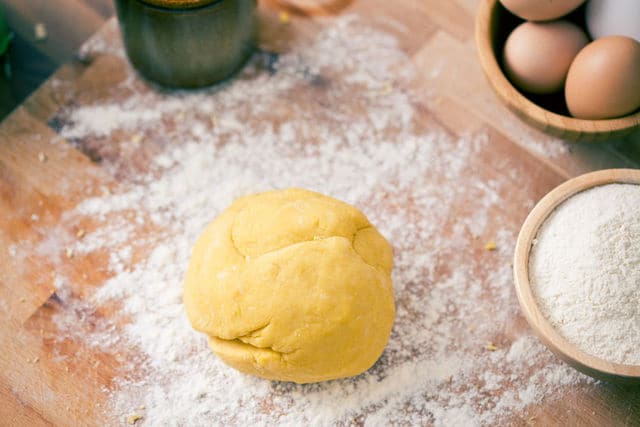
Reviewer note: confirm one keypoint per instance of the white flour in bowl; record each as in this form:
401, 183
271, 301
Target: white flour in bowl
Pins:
584, 270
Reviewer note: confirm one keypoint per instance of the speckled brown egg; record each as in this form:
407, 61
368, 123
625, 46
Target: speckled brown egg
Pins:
537, 55
537, 10
604, 79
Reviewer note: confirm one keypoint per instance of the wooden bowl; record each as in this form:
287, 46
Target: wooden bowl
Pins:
547, 113
590, 365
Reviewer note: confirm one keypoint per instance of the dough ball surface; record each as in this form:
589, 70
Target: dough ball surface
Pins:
292, 285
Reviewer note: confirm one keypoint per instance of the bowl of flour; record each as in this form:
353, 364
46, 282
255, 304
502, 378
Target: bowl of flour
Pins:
577, 273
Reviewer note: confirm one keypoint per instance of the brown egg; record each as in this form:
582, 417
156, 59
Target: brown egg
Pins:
604, 79
538, 10
537, 55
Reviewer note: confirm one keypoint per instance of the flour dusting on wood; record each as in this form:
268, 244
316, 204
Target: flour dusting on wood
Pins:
336, 116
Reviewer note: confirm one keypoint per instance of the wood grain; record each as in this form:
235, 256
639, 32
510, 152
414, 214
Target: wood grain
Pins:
65, 385
32, 60
68, 24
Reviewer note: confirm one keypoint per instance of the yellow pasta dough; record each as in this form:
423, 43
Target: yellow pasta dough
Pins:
292, 285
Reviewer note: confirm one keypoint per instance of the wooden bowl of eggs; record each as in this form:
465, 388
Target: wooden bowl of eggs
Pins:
570, 68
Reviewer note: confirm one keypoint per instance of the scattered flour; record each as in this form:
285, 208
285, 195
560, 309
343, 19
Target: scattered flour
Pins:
356, 138
585, 271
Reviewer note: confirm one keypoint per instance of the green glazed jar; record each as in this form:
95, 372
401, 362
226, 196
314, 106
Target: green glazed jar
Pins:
187, 43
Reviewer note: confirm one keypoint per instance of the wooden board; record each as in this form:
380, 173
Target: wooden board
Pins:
45, 380
67, 25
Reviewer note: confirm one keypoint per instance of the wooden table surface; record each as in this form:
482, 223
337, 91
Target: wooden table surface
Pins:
68, 23
42, 176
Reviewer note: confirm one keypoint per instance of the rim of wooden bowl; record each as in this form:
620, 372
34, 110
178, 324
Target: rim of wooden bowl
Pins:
545, 120
588, 364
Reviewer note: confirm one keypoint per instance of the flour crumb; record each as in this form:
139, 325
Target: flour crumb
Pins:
284, 17
133, 418
491, 346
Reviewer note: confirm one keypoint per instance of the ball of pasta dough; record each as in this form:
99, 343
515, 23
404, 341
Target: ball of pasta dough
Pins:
292, 285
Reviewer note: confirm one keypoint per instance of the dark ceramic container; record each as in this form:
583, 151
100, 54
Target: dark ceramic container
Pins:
188, 43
